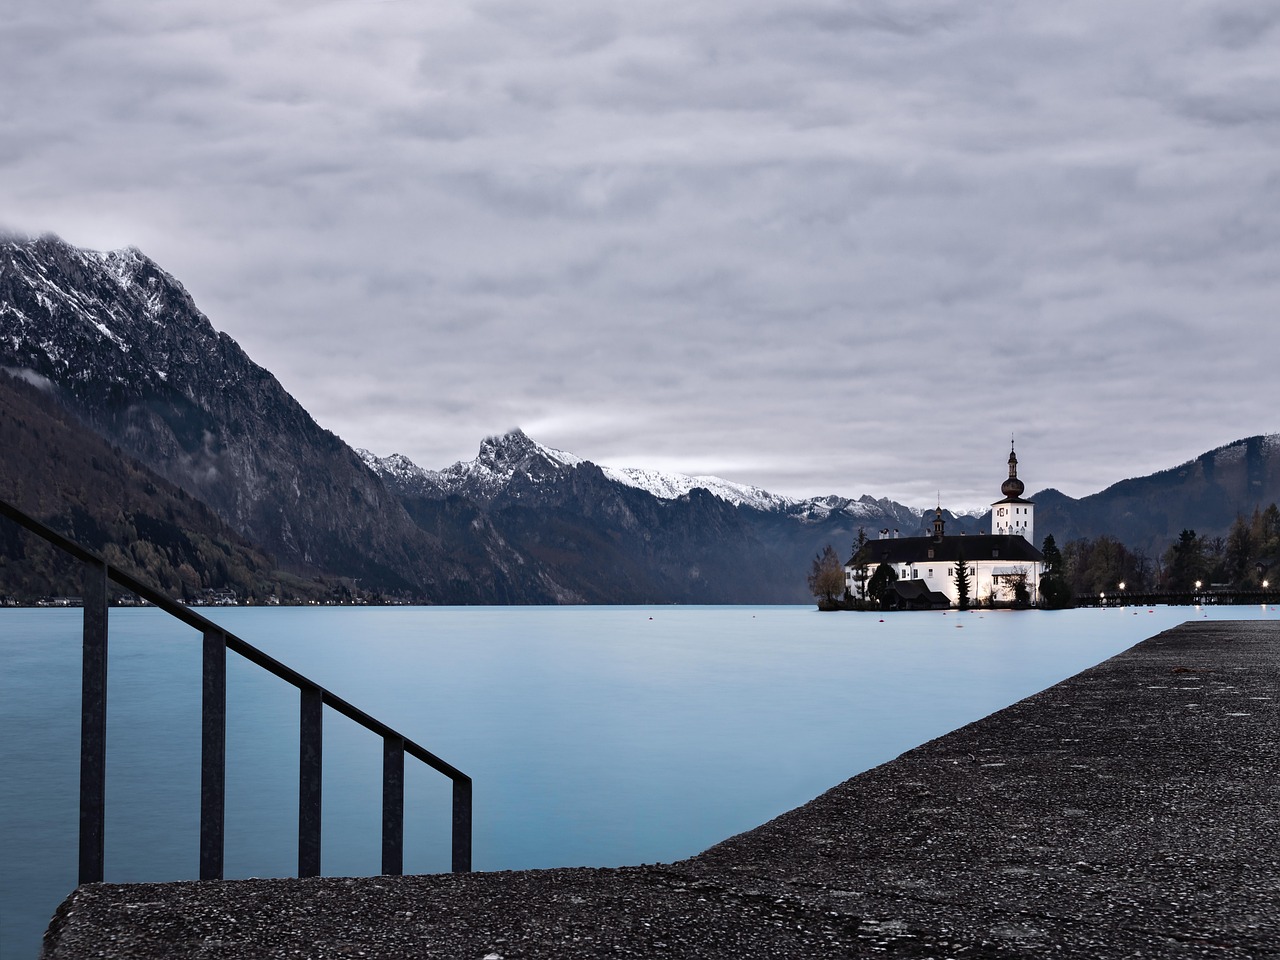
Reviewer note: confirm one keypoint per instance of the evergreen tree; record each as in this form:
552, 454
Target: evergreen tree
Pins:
1055, 591
1239, 553
1052, 555
1185, 563
859, 562
962, 581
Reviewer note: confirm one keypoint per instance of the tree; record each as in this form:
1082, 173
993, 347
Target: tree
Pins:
1055, 592
1021, 592
1100, 565
962, 581
1052, 555
826, 579
1239, 551
881, 583
1266, 532
1185, 563
860, 562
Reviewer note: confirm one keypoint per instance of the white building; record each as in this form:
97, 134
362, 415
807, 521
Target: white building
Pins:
926, 567
1013, 514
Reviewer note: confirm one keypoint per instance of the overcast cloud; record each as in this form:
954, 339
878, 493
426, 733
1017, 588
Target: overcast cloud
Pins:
821, 246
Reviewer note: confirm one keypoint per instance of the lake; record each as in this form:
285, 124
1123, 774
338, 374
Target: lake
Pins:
595, 735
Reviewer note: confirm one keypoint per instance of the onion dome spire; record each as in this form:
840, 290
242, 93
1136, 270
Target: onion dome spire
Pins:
1013, 487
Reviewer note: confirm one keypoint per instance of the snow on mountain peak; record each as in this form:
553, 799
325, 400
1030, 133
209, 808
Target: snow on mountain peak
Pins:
397, 466
501, 455
501, 458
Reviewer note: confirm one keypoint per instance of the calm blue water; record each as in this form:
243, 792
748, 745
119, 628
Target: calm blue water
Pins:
595, 735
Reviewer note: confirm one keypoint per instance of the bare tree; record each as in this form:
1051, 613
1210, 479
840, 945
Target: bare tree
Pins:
826, 579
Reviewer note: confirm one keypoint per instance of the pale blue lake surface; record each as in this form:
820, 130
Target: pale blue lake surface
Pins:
595, 735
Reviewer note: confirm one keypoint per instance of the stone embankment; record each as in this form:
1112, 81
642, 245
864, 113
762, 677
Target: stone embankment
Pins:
1133, 810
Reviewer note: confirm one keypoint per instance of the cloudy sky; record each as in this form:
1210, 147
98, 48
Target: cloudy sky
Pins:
815, 245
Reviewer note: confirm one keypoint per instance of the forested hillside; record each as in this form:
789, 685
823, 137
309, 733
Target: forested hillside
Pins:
62, 473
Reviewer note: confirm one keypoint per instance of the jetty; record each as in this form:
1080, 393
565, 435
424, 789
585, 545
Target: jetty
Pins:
1132, 810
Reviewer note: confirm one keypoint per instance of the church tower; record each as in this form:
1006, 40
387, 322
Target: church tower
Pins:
1013, 514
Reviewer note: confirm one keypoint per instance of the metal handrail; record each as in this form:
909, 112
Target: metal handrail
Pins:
213, 720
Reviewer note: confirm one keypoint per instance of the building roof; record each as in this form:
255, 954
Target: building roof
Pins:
917, 593
1004, 547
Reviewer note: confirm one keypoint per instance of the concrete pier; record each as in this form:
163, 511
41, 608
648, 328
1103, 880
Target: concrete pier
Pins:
1130, 811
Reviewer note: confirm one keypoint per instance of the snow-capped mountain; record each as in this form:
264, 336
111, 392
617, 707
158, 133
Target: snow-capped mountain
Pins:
500, 461
514, 456
122, 344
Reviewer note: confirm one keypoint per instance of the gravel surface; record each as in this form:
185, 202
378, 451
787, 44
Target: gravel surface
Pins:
1130, 811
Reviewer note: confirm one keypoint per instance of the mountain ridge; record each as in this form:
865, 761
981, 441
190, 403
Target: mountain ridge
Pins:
122, 346
500, 456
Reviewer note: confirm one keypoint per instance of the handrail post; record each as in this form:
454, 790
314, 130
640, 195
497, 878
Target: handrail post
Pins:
462, 825
93, 724
392, 806
213, 755
310, 755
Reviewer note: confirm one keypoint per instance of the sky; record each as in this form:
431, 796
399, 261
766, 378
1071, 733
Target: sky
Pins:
819, 246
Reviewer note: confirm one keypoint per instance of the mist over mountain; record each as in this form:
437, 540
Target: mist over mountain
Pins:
56, 468
119, 346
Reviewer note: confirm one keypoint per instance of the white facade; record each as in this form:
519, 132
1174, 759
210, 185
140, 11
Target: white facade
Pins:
1015, 518
1013, 515
996, 564
991, 580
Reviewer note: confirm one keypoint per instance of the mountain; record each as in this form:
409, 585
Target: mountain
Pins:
641, 536
56, 468
515, 459
122, 345
1148, 513
608, 542
120, 348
